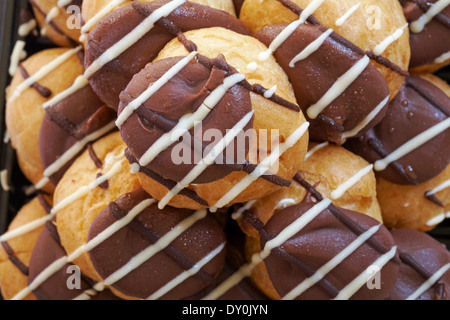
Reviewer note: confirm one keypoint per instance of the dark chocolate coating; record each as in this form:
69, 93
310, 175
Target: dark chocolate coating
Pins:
182, 95
48, 250
180, 255
314, 76
433, 41
319, 242
109, 82
428, 255
68, 122
418, 106
237, 6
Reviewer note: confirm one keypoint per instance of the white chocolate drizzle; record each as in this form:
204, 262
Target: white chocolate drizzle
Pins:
430, 282
339, 192
137, 33
340, 22
311, 48
18, 54
97, 17
316, 148
79, 83
412, 144
4, 180
151, 90
330, 265
380, 48
262, 167
338, 87
418, 25
207, 160
45, 70
444, 57
188, 121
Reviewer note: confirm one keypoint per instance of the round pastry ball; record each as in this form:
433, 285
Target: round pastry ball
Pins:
420, 207
432, 35
300, 244
56, 69
15, 253
367, 26
168, 254
60, 22
424, 258
272, 122
75, 218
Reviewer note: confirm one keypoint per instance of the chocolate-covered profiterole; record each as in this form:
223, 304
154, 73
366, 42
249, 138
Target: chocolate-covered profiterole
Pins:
113, 58
183, 94
46, 252
419, 107
201, 240
429, 38
296, 261
339, 90
425, 268
69, 125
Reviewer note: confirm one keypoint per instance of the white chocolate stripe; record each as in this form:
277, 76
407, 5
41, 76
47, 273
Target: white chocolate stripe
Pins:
207, 160
412, 144
330, 265
439, 188
61, 205
100, 15
186, 274
352, 133
286, 33
316, 148
262, 168
131, 38
152, 250
101, 237
80, 82
45, 70
347, 292
236, 215
63, 3
188, 121
438, 219
444, 57
340, 22
282, 237
380, 48
52, 14
151, 90
338, 87
430, 282
76, 148
17, 55
311, 48
339, 192
418, 25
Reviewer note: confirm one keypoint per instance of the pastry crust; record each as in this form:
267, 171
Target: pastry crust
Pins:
239, 52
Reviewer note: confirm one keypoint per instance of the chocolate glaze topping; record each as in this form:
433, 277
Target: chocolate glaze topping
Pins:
46, 251
432, 42
69, 121
319, 242
114, 77
183, 94
417, 107
178, 256
430, 255
313, 76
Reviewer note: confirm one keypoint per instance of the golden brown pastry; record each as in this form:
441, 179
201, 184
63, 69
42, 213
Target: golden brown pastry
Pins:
269, 117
